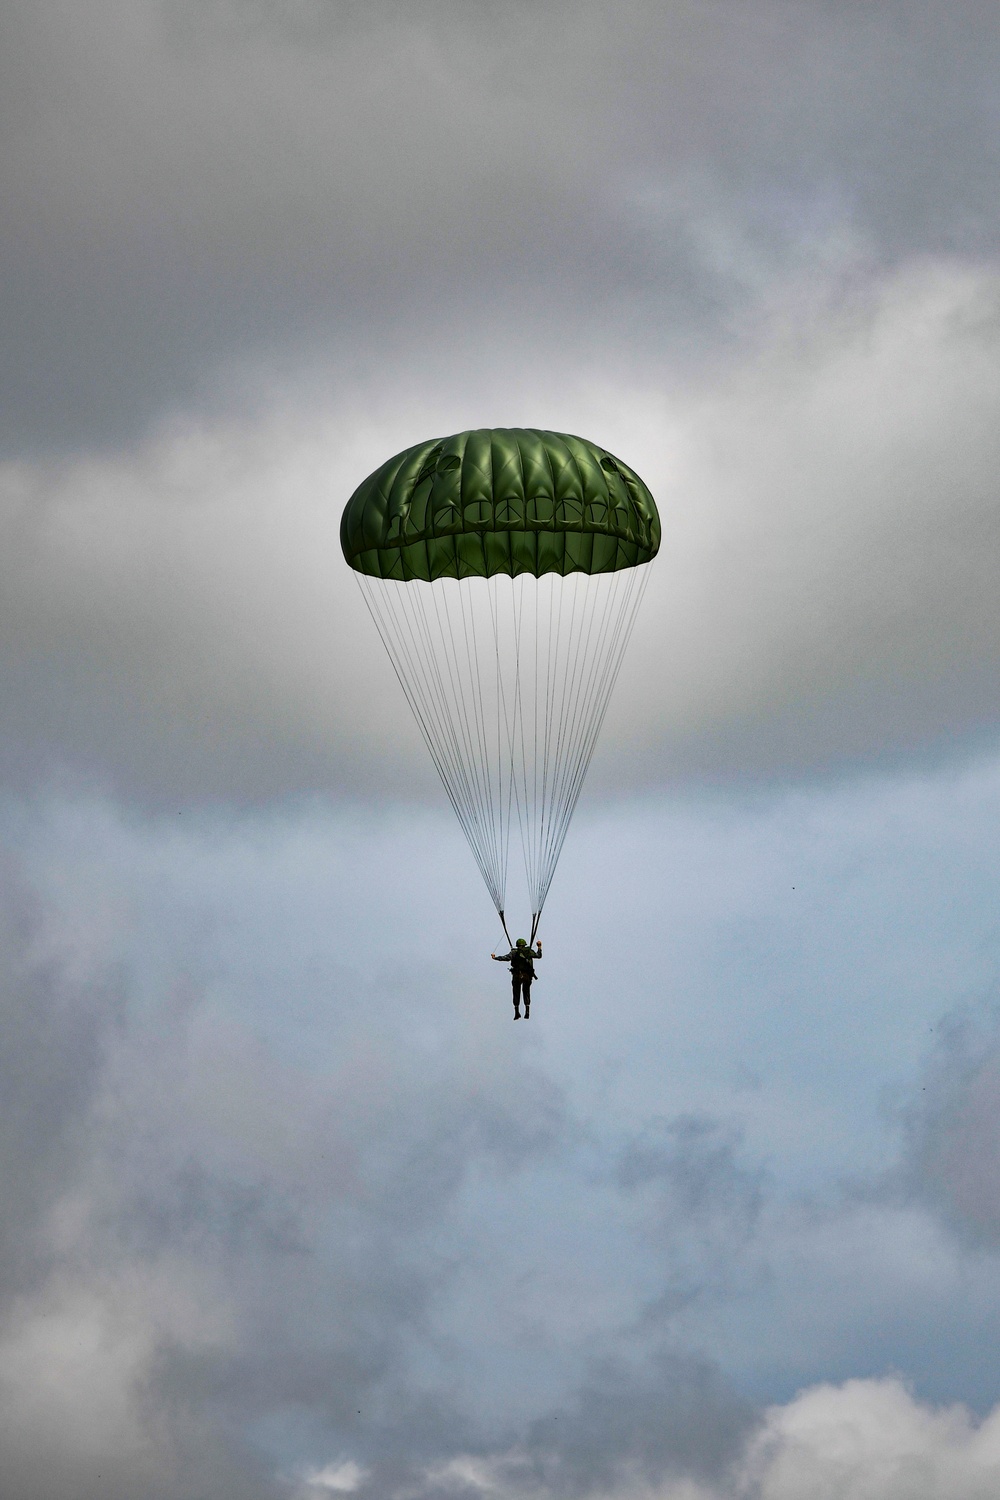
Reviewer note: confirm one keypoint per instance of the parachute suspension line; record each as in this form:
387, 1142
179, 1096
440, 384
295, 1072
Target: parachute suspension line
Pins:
404, 664
580, 657
524, 814
606, 665
563, 659
577, 637
620, 608
483, 729
534, 783
464, 695
503, 722
404, 628
509, 695
514, 717
583, 706
466, 692
552, 655
451, 721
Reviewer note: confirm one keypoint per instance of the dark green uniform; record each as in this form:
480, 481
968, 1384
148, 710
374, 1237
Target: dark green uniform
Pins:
522, 972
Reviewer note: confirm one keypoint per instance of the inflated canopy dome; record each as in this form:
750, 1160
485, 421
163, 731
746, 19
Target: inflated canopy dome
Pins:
500, 500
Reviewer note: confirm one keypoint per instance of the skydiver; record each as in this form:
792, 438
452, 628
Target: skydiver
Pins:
522, 971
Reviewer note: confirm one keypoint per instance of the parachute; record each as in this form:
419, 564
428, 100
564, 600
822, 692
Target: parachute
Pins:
503, 568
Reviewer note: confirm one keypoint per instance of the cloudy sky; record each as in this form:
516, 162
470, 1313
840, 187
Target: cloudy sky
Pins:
288, 1210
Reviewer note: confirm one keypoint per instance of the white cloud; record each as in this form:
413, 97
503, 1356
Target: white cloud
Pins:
299, 1181
952, 1157
861, 1440
188, 605
871, 1440
340, 1478
76, 1365
830, 513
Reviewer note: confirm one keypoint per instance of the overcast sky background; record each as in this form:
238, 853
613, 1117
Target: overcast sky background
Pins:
288, 1210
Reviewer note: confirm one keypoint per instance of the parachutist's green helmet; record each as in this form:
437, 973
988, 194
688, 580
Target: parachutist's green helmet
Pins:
522, 942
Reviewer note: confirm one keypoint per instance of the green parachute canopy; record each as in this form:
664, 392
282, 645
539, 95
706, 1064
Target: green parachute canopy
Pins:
500, 500
503, 568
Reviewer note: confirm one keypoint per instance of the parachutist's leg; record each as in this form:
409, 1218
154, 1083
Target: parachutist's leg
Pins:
527, 999
516, 987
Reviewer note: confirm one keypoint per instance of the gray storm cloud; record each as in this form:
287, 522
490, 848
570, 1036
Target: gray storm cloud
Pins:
827, 587
177, 620
252, 251
862, 1440
952, 1160
294, 1211
193, 189
197, 1234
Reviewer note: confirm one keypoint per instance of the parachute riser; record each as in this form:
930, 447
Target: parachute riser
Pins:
534, 928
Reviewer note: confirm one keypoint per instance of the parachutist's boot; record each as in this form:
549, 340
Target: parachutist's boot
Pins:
517, 1015
527, 1011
